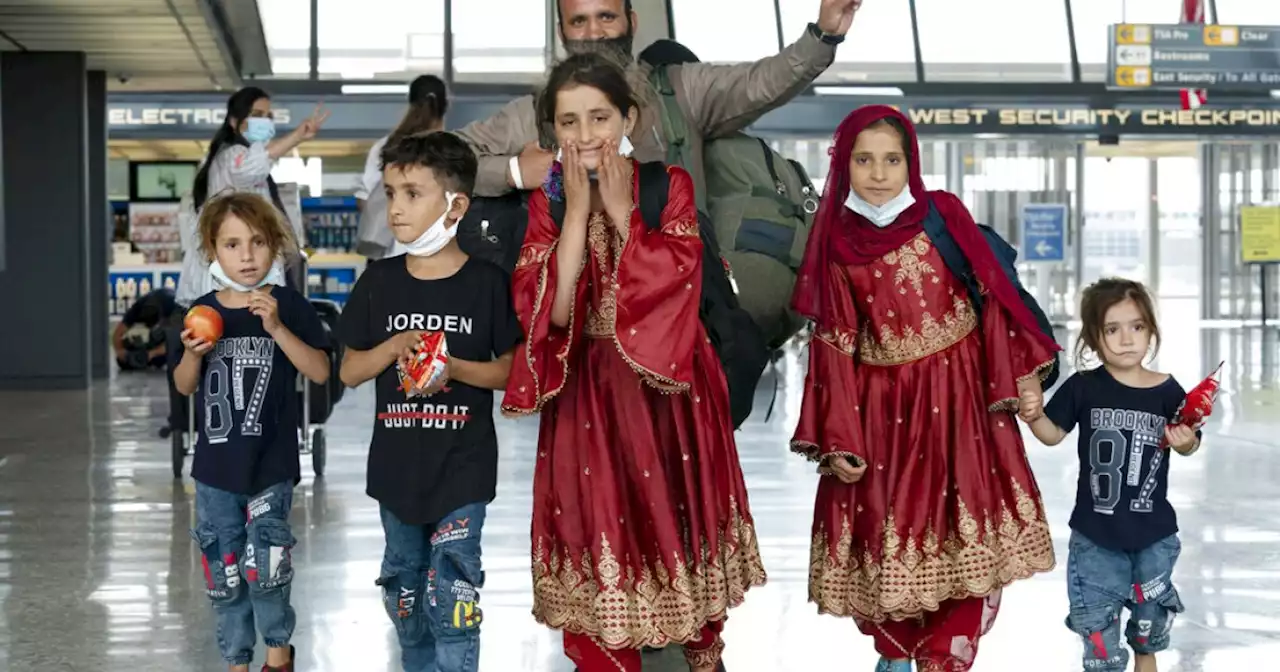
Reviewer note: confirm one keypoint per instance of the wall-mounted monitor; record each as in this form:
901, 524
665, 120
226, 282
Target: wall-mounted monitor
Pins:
160, 181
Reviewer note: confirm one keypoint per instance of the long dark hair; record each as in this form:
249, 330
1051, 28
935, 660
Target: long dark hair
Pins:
589, 69
239, 107
428, 103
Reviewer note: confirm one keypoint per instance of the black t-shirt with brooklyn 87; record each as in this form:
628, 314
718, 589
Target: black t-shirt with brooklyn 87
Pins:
432, 455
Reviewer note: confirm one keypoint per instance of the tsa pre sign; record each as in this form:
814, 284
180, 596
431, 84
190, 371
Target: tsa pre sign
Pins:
1044, 232
1260, 234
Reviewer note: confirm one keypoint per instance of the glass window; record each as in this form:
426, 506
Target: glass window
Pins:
1249, 12
380, 38
286, 25
479, 52
1005, 40
1093, 21
727, 31
879, 46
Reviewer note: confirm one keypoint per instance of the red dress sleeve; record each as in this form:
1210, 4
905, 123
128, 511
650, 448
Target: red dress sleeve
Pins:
541, 363
1013, 355
656, 289
830, 413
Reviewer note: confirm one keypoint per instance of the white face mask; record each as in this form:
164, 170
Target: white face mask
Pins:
275, 276
434, 238
881, 215
625, 148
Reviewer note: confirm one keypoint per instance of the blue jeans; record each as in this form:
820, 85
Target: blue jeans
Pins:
431, 578
246, 545
1101, 583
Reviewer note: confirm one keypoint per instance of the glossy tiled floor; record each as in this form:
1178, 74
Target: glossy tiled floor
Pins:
97, 571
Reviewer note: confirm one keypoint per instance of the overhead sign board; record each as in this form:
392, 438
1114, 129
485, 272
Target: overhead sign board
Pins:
1189, 56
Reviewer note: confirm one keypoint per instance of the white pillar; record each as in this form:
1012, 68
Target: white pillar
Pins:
652, 24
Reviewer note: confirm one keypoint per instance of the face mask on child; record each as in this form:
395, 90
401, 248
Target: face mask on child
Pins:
434, 238
881, 215
275, 276
259, 129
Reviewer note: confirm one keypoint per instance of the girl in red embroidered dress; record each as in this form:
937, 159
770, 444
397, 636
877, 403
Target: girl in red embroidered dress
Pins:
928, 506
641, 532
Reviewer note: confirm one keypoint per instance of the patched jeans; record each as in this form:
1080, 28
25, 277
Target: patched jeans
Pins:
1101, 583
431, 580
246, 548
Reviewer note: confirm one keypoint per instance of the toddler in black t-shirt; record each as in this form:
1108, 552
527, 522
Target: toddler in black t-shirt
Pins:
433, 459
247, 415
1124, 540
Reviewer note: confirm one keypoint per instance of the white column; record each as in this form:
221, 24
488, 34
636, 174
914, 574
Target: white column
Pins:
652, 24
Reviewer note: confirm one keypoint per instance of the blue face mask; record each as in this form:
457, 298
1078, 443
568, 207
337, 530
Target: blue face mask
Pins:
259, 129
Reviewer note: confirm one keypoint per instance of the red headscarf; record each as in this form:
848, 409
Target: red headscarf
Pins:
843, 237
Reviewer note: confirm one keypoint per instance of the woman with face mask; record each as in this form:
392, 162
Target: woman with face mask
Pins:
240, 159
928, 506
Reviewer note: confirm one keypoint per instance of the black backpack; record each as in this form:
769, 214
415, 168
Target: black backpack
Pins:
738, 341
958, 264
493, 229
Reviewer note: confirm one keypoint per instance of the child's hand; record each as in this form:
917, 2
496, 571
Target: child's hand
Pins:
196, 346
1031, 406
440, 384
845, 470
1181, 438
404, 344
262, 304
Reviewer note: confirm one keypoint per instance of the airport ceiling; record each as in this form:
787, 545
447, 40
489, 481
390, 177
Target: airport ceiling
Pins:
172, 45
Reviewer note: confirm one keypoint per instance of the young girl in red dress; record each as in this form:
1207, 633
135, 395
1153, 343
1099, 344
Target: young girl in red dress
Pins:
928, 506
641, 530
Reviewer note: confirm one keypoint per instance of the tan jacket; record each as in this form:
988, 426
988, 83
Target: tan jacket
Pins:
716, 99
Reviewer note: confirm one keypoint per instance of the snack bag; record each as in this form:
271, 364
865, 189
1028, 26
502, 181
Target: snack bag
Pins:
1199, 402
427, 365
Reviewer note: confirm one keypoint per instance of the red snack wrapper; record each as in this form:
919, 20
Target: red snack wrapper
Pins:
1198, 405
427, 366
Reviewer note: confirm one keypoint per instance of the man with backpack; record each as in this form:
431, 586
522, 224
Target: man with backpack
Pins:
754, 205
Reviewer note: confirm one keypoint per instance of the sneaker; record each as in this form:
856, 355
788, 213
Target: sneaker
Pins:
287, 667
887, 665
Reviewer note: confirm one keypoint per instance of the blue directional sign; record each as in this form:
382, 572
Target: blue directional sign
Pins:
1044, 232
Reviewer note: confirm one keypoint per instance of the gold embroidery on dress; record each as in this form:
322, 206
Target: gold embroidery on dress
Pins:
842, 339
540, 397
685, 228
532, 255
911, 268
933, 335
916, 573
661, 603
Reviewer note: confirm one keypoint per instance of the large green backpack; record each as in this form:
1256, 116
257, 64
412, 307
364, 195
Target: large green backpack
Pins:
761, 206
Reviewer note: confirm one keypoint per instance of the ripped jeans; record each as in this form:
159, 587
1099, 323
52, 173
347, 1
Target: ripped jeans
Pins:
431, 580
246, 547
1102, 582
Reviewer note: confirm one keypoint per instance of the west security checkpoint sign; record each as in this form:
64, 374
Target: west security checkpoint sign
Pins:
1044, 232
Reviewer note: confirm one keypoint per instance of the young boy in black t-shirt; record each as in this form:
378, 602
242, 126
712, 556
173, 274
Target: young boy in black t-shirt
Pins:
1124, 533
247, 408
433, 460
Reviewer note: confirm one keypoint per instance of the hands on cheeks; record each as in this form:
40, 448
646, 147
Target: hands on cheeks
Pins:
577, 186
616, 189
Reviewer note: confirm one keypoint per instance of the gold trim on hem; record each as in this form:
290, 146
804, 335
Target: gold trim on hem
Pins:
661, 603
914, 574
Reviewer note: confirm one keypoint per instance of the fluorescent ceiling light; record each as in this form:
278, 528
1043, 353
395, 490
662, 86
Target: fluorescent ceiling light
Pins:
357, 89
859, 91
